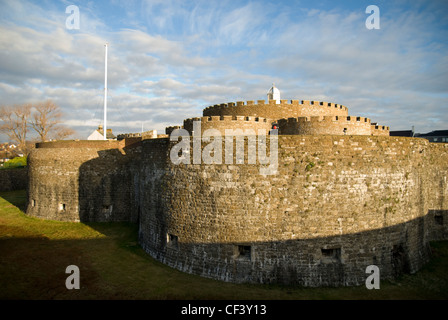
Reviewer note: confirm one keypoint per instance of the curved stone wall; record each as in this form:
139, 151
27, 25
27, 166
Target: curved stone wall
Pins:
337, 205
83, 181
223, 123
271, 110
334, 125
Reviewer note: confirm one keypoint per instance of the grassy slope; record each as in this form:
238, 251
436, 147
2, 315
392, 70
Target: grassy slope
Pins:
34, 254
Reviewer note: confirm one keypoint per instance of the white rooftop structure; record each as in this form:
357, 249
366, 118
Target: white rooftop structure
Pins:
98, 134
274, 94
95, 136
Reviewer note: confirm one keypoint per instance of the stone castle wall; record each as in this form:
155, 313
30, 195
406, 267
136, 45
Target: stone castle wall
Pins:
294, 118
84, 181
337, 205
271, 110
13, 179
223, 123
330, 125
378, 130
345, 195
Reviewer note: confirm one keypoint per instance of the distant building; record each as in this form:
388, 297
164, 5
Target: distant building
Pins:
274, 94
151, 134
403, 133
435, 136
98, 134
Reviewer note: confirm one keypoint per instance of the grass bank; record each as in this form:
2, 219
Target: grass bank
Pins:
34, 254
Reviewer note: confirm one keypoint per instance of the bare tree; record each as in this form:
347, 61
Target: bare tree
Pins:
45, 119
15, 124
62, 132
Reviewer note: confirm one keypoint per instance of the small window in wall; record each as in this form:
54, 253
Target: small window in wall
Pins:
331, 255
107, 208
399, 259
438, 218
33, 203
172, 241
62, 207
243, 252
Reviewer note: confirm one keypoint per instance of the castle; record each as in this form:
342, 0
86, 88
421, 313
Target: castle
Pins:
345, 195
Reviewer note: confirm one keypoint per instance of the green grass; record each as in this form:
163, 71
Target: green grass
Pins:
34, 254
17, 162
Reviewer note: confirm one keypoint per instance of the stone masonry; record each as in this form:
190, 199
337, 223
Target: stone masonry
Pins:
338, 202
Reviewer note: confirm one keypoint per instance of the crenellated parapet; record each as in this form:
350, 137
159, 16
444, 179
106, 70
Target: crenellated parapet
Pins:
221, 123
170, 129
304, 117
273, 103
378, 130
330, 125
129, 135
272, 110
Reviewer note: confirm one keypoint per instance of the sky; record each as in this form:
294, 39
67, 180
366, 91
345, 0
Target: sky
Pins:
169, 59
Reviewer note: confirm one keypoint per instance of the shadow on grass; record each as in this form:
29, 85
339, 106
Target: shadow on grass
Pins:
17, 198
32, 266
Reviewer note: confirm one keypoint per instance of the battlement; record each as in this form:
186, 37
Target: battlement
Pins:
222, 123
227, 118
122, 136
334, 125
347, 119
272, 110
170, 129
378, 130
273, 102
151, 134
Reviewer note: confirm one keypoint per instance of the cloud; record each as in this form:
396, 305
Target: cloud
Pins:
169, 59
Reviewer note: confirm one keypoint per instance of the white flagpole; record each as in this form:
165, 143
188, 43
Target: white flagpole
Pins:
105, 95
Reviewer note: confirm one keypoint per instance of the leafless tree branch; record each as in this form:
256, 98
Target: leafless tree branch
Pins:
15, 124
